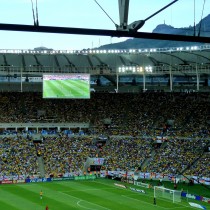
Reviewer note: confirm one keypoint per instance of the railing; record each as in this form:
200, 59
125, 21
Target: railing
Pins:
165, 69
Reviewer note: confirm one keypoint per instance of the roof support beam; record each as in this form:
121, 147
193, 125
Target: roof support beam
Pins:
101, 32
123, 13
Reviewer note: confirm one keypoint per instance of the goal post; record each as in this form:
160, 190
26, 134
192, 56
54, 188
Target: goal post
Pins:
162, 192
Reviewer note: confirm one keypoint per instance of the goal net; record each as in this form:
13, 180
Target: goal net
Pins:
162, 192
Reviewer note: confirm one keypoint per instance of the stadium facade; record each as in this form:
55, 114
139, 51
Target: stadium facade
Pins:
129, 70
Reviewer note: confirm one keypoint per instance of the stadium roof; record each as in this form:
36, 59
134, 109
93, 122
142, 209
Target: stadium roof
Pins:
186, 60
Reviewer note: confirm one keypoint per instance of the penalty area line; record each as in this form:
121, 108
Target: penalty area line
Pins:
142, 201
78, 203
180, 205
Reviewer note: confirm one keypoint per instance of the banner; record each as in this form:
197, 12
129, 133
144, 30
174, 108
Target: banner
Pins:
63, 178
7, 182
191, 196
207, 200
12, 181
170, 177
97, 161
201, 180
120, 185
103, 173
68, 178
57, 179
137, 190
88, 177
20, 181
15, 177
197, 205
119, 174
38, 180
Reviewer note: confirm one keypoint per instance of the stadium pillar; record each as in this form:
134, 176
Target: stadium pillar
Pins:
117, 82
171, 80
144, 81
198, 78
21, 82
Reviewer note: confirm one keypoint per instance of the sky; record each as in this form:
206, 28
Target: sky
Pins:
87, 14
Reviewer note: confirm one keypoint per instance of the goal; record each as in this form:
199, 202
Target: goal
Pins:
162, 192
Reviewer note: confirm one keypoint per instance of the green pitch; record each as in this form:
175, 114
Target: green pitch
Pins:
66, 89
100, 194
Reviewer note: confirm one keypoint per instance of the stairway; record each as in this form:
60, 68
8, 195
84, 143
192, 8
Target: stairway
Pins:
153, 152
193, 163
147, 160
41, 166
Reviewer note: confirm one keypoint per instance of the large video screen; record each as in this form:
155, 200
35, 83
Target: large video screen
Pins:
66, 86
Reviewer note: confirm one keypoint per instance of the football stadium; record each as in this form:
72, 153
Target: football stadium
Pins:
105, 129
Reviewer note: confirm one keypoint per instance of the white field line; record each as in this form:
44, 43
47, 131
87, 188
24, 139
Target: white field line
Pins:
95, 189
78, 203
150, 203
84, 201
143, 201
135, 193
181, 205
111, 186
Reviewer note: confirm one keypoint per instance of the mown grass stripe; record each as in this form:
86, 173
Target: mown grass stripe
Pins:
6, 205
56, 90
64, 89
77, 88
47, 89
68, 85
51, 196
20, 199
81, 84
109, 199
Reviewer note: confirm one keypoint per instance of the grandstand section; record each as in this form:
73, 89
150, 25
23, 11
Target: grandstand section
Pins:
137, 137
113, 135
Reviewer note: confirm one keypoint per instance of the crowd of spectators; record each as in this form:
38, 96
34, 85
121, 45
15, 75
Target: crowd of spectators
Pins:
134, 121
201, 167
176, 155
125, 153
17, 157
130, 114
61, 155
67, 155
